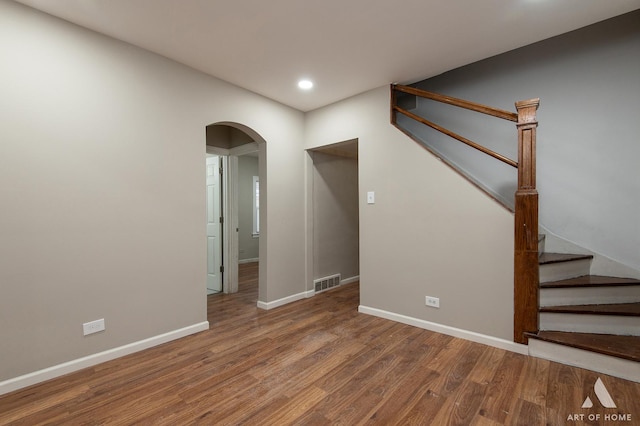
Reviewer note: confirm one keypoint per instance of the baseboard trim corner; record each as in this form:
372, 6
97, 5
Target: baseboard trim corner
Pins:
242, 261
48, 373
448, 330
350, 280
285, 300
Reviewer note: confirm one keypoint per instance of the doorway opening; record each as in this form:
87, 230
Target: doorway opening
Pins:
334, 210
214, 199
239, 220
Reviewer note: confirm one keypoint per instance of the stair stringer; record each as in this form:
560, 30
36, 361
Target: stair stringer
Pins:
617, 367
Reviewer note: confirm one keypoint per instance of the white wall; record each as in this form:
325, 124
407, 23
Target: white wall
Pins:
588, 82
430, 231
102, 188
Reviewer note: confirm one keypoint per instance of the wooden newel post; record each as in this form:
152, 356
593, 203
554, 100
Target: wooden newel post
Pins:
526, 273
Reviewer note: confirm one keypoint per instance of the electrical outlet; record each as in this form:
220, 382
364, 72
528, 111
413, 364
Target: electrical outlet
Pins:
434, 302
93, 326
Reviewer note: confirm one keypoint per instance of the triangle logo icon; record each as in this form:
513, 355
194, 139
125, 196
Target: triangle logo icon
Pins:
587, 403
602, 394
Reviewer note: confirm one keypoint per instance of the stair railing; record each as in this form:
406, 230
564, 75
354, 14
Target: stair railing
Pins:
526, 272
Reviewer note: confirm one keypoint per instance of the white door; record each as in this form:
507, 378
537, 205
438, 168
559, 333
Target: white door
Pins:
214, 240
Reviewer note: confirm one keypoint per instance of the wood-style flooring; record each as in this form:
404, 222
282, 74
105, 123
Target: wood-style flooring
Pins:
319, 362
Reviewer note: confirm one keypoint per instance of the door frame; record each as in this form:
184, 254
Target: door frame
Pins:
224, 210
220, 202
229, 186
309, 167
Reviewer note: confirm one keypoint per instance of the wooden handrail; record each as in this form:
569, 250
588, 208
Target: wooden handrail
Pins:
484, 109
526, 270
454, 135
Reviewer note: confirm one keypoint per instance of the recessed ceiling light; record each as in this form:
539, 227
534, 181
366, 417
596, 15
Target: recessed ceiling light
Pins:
305, 84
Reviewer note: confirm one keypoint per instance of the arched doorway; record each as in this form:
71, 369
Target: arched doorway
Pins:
236, 144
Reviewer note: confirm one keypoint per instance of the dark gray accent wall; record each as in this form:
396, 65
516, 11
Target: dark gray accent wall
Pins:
588, 81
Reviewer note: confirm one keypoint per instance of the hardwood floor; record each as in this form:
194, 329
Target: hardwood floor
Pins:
318, 362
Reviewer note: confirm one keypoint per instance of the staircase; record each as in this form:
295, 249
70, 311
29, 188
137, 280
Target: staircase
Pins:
582, 320
587, 321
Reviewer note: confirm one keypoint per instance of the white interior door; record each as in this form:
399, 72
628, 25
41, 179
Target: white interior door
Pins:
214, 240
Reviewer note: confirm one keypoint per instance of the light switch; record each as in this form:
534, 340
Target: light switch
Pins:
371, 197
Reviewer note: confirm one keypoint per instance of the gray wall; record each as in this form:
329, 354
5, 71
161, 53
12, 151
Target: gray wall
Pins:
247, 244
102, 191
335, 216
430, 231
588, 146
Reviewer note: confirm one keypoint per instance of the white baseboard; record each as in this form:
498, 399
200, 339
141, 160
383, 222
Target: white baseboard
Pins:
91, 360
350, 280
285, 300
299, 296
445, 329
255, 259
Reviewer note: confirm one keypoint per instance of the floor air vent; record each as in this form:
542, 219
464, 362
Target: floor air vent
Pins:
322, 284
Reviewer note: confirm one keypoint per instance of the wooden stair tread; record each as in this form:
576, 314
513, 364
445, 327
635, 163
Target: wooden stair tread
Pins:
625, 347
548, 258
621, 309
591, 281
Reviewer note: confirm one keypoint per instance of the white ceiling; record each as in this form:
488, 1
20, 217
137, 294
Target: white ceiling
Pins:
345, 46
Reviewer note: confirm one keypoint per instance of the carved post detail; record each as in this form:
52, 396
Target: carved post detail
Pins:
526, 272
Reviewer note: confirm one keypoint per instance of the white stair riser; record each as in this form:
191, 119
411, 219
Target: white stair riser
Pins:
564, 270
586, 323
589, 295
612, 366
